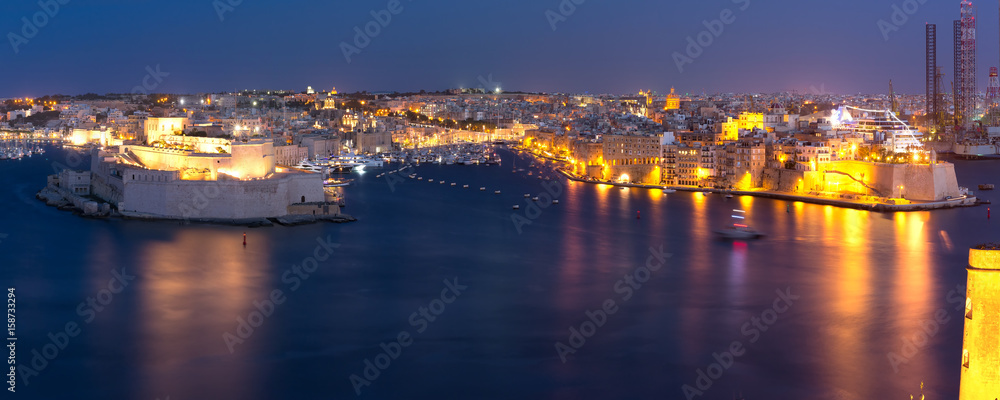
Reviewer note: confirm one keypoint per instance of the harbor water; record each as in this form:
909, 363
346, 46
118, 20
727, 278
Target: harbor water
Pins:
441, 291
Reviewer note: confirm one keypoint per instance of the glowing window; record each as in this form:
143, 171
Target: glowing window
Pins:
965, 358
968, 307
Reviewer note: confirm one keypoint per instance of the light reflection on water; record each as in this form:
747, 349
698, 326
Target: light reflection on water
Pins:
865, 280
196, 286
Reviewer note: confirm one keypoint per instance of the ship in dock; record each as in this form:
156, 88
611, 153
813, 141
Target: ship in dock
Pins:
878, 126
977, 146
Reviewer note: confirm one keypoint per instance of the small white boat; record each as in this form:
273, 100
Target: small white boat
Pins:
668, 191
482, 189
496, 192
430, 180
555, 201
526, 195
729, 196
454, 184
420, 178
517, 207
465, 186
442, 182
534, 198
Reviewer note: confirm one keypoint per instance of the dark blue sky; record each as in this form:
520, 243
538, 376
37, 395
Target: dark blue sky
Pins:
602, 47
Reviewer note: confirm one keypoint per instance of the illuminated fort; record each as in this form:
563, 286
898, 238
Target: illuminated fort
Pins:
981, 340
173, 176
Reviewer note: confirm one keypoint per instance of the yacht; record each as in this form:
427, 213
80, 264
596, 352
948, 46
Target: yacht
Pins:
309, 166
337, 183
354, 160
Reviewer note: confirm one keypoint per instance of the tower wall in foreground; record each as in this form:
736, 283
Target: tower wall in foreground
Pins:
981, 339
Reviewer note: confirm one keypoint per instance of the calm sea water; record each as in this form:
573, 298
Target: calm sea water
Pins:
867, 284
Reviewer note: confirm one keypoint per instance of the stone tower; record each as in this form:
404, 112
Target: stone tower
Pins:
981, 340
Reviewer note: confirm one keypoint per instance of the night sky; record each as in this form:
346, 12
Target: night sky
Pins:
601, 47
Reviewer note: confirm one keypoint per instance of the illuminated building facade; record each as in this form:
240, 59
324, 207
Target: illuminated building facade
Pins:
742, 164
176, 183
374, 141
290, 155
810, 155
730, 129
668, 159
673, 101
588, 158
632, 158
750, 121
695, 166
156, 127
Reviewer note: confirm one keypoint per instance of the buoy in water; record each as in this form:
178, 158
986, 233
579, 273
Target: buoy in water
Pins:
637, 215
244, 239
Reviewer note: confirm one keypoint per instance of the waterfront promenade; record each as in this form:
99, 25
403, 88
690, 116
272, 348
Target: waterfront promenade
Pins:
886, 206
964, 201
